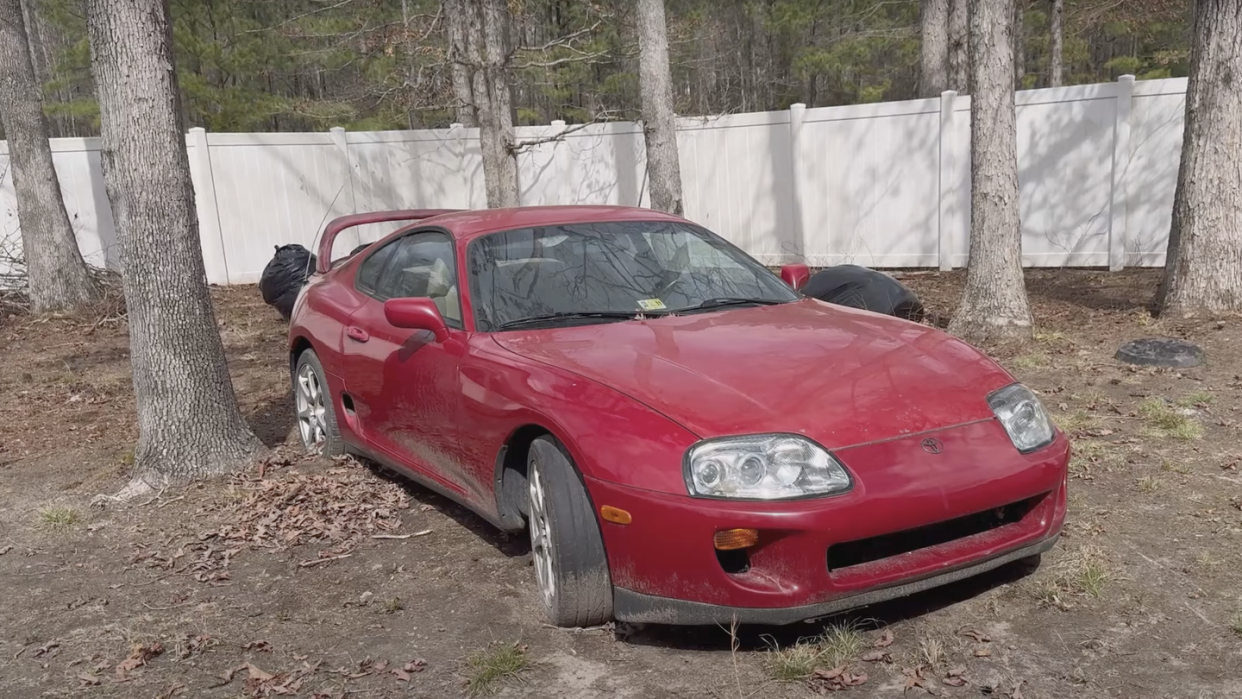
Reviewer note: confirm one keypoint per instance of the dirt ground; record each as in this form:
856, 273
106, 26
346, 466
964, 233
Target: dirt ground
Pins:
273, 582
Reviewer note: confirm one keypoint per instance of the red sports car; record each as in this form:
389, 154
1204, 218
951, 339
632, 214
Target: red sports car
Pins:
687, 438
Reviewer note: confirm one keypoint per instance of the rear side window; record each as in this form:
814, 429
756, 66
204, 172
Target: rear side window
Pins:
371, 268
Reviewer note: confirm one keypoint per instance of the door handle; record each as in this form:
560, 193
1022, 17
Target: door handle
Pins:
357, 334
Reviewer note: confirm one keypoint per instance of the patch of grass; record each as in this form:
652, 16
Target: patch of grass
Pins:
931, 652
1207, 560
1167, 421
1149, 484
1049, 336
1084, 572
127, 457
393, 605
1091, 573
1028, 361
1235, 623
1074, 421
1087, 454
1196, 398
1174, 467
840, 644
58, 516
487, 668
836, 646
794, 663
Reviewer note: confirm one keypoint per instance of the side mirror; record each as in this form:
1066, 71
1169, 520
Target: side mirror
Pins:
795, 275
416, 314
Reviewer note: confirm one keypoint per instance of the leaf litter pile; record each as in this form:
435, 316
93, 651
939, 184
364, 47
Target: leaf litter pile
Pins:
278, 506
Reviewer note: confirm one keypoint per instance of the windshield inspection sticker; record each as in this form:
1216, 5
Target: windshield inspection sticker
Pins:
651, 304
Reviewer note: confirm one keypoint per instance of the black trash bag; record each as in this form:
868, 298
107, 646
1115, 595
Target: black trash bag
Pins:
284, 276
868, 289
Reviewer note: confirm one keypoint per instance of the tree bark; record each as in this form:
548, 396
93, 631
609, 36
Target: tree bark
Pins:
659, 120
483, 30
1056, 58
456, 14
1019, 42
56, 274
1203, 266
959, 46
934, 47
994, 304
189, 425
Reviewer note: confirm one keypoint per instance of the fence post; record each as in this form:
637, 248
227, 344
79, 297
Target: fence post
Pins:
1118, 198
797, 114
342, 142
946, 183
210, 232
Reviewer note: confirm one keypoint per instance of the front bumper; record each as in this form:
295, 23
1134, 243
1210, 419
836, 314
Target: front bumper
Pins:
636, 607
820, 556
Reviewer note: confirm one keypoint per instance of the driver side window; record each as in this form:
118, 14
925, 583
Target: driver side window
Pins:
422, 264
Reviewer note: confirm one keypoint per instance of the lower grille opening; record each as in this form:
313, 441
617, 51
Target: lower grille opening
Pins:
852, 553
736, 561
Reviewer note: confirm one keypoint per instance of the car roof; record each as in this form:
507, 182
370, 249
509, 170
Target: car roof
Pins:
466, 225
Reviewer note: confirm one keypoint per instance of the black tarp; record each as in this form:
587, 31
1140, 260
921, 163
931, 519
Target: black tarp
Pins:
868, 289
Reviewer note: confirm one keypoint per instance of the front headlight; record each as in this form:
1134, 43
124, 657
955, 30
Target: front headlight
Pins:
1024, 417
763, 467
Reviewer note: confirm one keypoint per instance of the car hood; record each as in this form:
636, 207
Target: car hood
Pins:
837, 375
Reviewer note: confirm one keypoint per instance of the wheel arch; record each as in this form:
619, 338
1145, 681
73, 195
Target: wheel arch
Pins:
510, 471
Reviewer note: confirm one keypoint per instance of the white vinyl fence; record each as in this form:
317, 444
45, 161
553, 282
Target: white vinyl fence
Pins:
883, 185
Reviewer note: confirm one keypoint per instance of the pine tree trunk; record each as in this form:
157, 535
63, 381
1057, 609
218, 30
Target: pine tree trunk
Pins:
484, 55
1056, 58
959, 46
1203, 266
189, 425
934, 47
56, 273
660, 123
457, 13
994, 305
1019, 42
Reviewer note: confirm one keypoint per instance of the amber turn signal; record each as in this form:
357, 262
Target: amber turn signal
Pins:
733, 539
615, 515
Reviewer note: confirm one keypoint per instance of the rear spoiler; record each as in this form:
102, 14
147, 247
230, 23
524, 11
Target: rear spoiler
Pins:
336, 225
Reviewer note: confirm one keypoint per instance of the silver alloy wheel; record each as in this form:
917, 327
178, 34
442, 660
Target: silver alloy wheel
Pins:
312, 414
541, 539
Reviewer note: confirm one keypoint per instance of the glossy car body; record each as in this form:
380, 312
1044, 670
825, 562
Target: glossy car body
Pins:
939, 491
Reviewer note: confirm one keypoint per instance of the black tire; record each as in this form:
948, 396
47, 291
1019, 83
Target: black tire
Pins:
331, 444
582, 591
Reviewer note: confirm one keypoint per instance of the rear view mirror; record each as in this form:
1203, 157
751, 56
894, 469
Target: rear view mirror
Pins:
795, 275
416, 314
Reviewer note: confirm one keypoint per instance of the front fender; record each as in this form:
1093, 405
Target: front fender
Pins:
610, 436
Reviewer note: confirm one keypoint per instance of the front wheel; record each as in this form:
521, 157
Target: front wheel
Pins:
571, 567
316, 418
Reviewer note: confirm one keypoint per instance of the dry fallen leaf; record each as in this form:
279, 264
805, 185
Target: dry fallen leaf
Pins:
977, 635
402, 675
885, 640
415, 665
875, 656
88, 680
982, 652
257, 674
262, 646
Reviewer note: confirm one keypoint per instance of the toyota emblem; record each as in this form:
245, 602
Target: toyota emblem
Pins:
932, 445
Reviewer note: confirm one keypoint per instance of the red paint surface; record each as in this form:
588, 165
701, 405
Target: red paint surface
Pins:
628, 398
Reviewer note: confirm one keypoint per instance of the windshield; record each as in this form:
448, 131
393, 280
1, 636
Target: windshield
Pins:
594, 272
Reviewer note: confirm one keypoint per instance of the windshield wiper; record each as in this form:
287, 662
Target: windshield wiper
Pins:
571, 315
728, 301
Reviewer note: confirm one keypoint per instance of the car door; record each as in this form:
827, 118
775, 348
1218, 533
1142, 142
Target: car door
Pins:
404, 385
